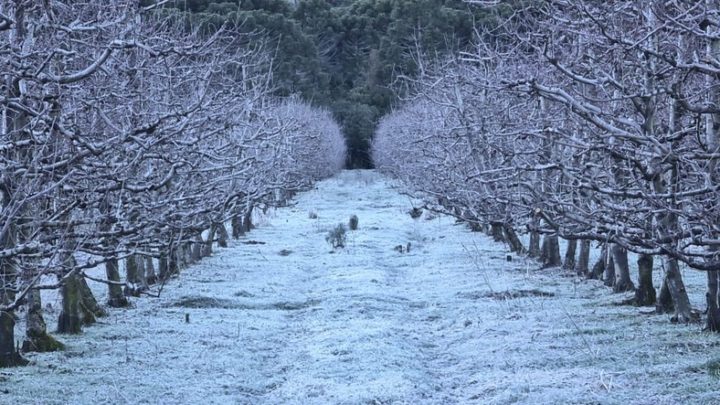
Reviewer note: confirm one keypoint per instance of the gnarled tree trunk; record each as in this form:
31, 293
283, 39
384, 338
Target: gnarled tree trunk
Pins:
622, 269
36, 337
582, 265
550, 255
645, 292
569, 262
116, 297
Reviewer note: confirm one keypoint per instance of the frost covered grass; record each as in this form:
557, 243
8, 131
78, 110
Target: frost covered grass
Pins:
449, 321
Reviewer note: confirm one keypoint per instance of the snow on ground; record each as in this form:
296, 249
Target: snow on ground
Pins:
451, 321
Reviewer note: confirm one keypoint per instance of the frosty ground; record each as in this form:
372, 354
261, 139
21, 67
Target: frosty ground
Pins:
287, 320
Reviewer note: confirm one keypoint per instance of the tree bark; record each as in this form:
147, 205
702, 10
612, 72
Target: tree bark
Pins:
713, 301
69, 320
609, 274
9, 357
569, 262
496, 231
150, 275
207, 249
513, 239
534, 245
598, 269
36, 337
116, 297
163, 267
88, 304
551, 251
581, 267
132, 277
197, 248
247, 224
222, 235
645, 293
676, 289
623, 282
237, 227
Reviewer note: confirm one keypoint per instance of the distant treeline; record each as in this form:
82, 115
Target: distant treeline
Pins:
347, 55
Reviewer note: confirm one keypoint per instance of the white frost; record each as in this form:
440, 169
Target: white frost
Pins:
368, 324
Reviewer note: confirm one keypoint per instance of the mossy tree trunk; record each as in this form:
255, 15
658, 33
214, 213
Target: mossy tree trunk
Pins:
132, 277
88, 304
664, 303
496, 231
70, 320
534, 245
9, 357
550, 254
513, 239
222, 235
623, 282
609, 274
569, 262
163, 271
150, 275
598, 269
677, 292
116, 297
645, 292
237, 227
583, 262
36, 337
247, 219
207, 247
197, 248
713, 301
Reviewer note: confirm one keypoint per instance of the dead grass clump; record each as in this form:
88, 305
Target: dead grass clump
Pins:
337, 236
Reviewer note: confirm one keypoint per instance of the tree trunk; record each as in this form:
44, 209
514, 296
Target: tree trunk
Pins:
88, 304
581, 267
207, 250
237, 227
623, 282
247, 220
132, 277
569, 262
645, 293
609, 275
36, 337
664, 302
534, 245
9, 357
551, 251
713, 301
150, 275
222, 235
172, 264
69, 320
513, 239
116, 298
598, 268
197, 248
163, 267
496, 231
676, 288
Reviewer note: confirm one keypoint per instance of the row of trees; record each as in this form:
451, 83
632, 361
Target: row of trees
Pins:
126, 135
585, 120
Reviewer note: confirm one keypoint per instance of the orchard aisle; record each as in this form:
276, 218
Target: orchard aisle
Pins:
279, 318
